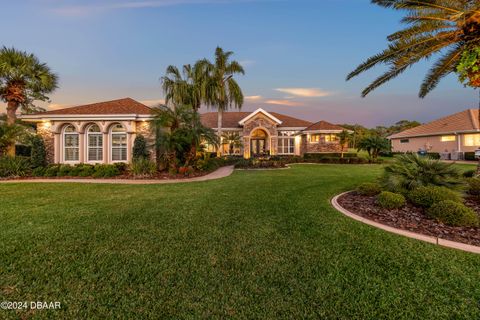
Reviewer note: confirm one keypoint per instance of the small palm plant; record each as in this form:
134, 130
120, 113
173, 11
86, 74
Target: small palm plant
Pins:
409, 171
344, 138
9, 134
233, 140
374, 145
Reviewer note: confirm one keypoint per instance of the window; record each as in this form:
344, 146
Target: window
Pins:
472, 140
70, 144
94, 144
324, 137
286, 142
404, 140
447, 138
119, 143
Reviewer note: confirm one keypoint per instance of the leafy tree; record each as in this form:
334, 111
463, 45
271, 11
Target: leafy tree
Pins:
233, 140
140, 150
39, 153
23, 79
9, 134
446, 27
222, 90
344, 137
373, 145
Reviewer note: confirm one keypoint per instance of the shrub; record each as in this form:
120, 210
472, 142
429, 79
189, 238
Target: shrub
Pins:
38, 172
83, 170
427, 196
453, 213
39, 153
473, 186
470, 156
433, 155
52, 170
140, 147
14, 166
105, 171
121, 166
143, 167
312, 156
390, 200
369, 189
469, 173
409, 171
64, 170
23, 150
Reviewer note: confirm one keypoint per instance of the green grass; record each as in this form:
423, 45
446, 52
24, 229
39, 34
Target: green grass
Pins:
255, 245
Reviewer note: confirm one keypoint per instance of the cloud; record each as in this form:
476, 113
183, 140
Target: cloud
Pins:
305, 92
253, 98
288, 103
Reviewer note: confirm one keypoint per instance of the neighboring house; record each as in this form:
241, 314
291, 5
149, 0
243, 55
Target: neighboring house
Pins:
104, 132
454, 134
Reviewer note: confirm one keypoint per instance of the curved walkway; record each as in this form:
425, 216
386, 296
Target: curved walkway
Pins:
217, 174
414, 235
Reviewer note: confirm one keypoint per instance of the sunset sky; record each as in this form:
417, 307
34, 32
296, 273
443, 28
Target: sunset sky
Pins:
296, 53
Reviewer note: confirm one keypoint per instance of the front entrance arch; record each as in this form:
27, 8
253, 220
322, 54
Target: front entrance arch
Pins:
259, 142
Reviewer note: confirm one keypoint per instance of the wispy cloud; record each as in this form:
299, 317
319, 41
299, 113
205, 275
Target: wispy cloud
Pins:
305, 92
288, 103
107, 5
253, 98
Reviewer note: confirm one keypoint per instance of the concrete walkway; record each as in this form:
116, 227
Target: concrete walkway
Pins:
217, 174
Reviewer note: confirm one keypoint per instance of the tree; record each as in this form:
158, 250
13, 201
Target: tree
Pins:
344, 138
140, 150
233, 140
23, 79
39, 153
445, 27
222, 90
373, 145
9, 134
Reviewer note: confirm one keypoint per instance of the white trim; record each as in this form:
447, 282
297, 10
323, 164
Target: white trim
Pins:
63, 144
434, 134
254, 113
87, 147
110, 145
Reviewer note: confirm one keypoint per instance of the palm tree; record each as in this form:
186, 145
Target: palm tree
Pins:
446, 27
222, 90
344, 138
374, 145
23, 79
233, 140
9, 134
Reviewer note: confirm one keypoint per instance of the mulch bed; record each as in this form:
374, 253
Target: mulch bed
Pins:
411, 218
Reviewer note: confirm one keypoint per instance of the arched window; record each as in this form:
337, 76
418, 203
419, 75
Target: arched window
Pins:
94, 144
118, 140
70, 144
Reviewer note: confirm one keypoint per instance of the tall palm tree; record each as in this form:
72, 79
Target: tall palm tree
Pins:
445, 27
222, 90
23, 79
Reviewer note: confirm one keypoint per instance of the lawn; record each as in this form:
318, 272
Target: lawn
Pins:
258, 244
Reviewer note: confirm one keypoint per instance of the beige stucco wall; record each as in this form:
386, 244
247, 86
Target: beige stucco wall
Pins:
432, 144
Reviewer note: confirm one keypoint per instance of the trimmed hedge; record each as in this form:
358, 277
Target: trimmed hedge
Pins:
329, 155
453, 213
427, 196
470, 156
390, 200
473, 187
369, 189
14, 166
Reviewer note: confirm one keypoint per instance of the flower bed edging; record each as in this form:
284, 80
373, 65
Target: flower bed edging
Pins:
409, 234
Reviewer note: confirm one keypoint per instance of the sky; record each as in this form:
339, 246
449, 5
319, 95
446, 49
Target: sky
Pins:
296, 53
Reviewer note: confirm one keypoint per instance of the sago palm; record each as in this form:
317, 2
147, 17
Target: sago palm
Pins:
233, 140
23, 79
444, 27
222, 90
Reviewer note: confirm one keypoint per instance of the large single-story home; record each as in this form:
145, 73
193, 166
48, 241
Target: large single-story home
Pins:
452, 135
104, 132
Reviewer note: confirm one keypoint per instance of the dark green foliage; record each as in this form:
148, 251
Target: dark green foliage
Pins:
473, 187
409, 171
433, 155
143, 167
39, 153
427, 196
121, 166
105, 171
374, 145
83, 170
14, 166
260, 164
469, 173
312, 156
469, 156
64, 170
39, 171
390, 200
52, 170
23, 150
453, 213
369, 189
140, 150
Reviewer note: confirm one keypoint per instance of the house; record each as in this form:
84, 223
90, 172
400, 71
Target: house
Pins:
104, 132
453, 135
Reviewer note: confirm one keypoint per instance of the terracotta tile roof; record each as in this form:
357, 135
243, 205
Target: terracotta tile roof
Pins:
231, 119
324, 125
466, 120
120, 106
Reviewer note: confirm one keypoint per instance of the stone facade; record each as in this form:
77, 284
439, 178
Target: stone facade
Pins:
264, 123
43, 130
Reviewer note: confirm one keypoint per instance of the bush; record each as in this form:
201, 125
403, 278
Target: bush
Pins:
52, 170
473, 186
428, 196
469, 173
39, 153
38, 172
143, 167
64, 170
453, 213
469, 156
369, 189
121, 166
105, 171
433, 155
14, 166
22, 150
140, 148
83, 170
312, 156
390, 200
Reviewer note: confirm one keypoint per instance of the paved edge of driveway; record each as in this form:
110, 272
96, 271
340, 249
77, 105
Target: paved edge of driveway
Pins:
217, 174
409, 234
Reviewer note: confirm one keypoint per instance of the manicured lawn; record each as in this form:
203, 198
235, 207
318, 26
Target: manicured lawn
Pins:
258, 244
